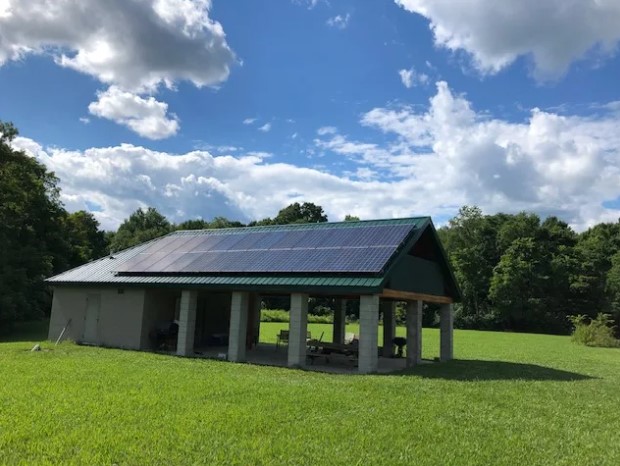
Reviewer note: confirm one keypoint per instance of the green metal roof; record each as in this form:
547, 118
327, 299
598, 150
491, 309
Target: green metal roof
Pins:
103, 271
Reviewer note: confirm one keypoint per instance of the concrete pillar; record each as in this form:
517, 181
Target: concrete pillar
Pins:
238, 326
340, 320
298, 330
369, 327
255, 309
414, 332
446, 332
388, 309
187, 322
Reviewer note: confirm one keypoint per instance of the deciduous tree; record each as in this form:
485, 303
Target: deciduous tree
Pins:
141, 226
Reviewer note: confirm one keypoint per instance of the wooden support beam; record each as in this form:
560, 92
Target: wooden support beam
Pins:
409, 296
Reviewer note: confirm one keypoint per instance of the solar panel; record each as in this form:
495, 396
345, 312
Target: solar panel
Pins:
346, 249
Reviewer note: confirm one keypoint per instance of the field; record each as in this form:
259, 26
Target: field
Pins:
507, 399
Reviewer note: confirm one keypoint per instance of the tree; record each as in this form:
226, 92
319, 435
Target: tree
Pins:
300, 213
517, 284
31, 231
200, 224
522, 225
469, 240
87, 241
594, 251
558, 241
195, 224
223, 222
489, 255
141, 226
613, 288
351, 218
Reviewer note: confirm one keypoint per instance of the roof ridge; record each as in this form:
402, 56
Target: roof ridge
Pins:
301, 226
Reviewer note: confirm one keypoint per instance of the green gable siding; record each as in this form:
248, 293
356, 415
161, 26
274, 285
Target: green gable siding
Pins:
416, 275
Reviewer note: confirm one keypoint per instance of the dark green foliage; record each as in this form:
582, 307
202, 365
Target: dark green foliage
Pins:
86, 240
200, 224
518, 285
296, 213
351, 218
471, 243
517, 273
196, 224
280, 315
141, 226
274, 315
31, 232
300, 213
598, 332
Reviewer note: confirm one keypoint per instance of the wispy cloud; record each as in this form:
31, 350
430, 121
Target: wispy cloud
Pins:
265, 128
411, 78
249, 121
322, 131
339, 21
309, 3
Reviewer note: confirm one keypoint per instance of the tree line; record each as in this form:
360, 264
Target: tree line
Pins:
516, 272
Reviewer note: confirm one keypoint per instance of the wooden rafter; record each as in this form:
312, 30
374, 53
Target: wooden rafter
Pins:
409, 296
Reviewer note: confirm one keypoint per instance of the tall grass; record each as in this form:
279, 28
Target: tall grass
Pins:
597, 332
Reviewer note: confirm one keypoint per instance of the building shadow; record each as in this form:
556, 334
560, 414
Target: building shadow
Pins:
472, 370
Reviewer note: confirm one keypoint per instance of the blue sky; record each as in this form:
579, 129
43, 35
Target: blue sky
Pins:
377, 109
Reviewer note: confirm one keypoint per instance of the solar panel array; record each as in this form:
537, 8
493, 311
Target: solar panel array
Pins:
337, 250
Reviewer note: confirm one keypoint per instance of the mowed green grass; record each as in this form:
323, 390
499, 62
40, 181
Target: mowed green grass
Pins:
507, 399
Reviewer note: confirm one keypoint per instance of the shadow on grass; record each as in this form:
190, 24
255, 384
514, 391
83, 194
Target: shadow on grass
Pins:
477, 370
25, 331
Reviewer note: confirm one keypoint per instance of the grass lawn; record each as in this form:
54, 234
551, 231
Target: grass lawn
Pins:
506, 399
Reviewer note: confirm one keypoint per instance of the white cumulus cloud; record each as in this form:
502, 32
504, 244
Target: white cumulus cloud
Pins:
429, 161
553, 33
265, 128
147, 117
450, 154
131, 45
123, 178
135, 44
